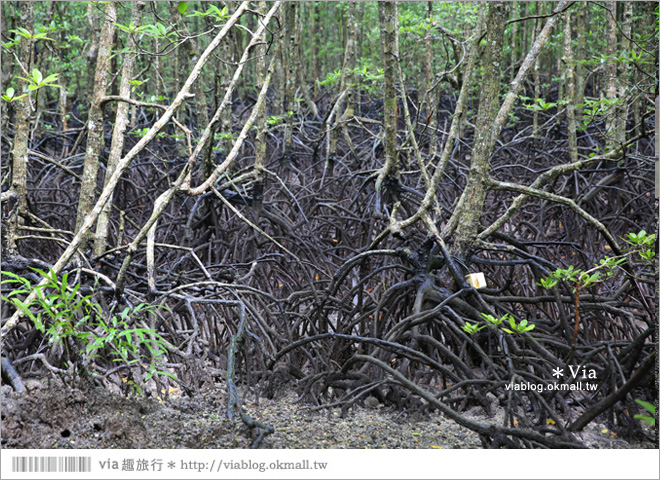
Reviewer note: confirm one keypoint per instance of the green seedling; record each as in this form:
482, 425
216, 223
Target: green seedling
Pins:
496, 321
10, 95
472, 328
649, 420
519, 329
36, 80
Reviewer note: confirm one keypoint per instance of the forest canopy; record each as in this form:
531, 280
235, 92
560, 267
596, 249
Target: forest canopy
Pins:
427, 203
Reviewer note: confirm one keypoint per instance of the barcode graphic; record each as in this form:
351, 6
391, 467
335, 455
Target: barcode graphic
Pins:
51, 464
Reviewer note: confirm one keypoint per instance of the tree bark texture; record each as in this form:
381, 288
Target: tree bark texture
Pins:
389, 38
17, 205
472, 200
95, 136
119, 130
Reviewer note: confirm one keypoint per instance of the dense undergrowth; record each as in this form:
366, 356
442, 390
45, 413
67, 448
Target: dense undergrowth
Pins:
294, 274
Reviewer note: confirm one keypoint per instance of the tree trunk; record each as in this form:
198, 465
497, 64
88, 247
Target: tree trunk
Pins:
201, 110
580, 54
289, 77
121, 123
429, 103
389, 39
537, 78
350, 55
92, 54
514, 34
472, 200
95, 136
471, 203
569, 65
624, 74
261, 124
611, 87
17, 203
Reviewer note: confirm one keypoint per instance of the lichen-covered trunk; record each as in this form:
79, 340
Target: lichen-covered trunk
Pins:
261, 124
121, 123
290, 77
611, 87
95, 137
569, 63
94, 23
17, 203
472, 201
489, 125
389, 39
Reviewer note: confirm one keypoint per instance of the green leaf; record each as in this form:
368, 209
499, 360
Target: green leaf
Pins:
648, 406
182, 7
50, 78
36, 74
25, 309
167, 374
646, 419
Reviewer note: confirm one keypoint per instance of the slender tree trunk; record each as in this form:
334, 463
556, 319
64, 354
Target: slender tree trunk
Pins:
17, 201
527, 27
225, 129
474, 194
299, 69
314, 14
350, 58
624, 74
290, 77
514, 34
569, 66
345, 109
359, 37
95, 124
261, 124
537, 78
471, 203
389, 39
580, 54
611, 87
201, 109
92, 54
121, 123
7, 67
41, 95
426, 107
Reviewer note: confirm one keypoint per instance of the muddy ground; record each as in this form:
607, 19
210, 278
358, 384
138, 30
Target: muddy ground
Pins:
55, 416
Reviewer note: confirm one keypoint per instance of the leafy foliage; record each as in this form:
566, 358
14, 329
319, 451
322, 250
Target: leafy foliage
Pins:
472, 328
36, 80
649, 407
62, 313
520, 328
